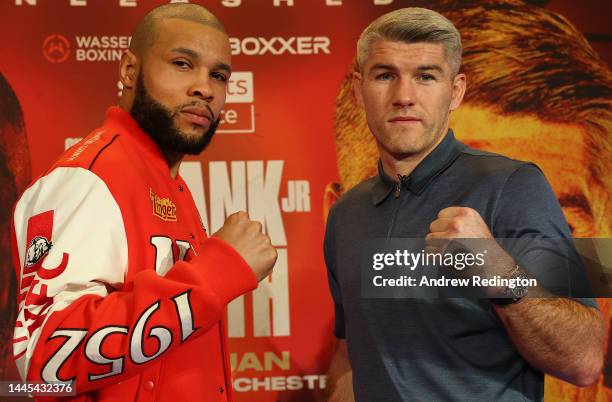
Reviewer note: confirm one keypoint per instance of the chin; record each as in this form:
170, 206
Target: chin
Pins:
193, 132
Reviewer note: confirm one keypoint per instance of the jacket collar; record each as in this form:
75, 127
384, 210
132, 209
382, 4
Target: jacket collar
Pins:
120, 121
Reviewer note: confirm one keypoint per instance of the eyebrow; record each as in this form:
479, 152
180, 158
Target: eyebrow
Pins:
574, 200
427, 67
195, 55
430, 67
382, 66
186, 51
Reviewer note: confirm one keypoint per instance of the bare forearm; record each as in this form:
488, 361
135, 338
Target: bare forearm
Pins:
559, 336
340, 376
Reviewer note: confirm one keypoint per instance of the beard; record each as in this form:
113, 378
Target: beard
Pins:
158, 122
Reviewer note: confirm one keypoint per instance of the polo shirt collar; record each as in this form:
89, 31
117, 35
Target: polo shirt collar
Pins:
435, 163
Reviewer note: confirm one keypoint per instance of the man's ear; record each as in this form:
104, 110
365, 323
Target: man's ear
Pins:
459, 85
333, 191
128, 69
357, 81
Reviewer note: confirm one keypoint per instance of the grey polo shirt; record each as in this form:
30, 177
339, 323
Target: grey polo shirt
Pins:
437, 349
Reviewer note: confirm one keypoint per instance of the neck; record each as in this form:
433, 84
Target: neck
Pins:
174, 162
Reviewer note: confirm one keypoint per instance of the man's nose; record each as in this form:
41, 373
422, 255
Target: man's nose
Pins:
404, 94
202, 88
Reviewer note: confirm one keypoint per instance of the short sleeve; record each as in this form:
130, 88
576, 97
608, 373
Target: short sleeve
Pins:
529, 223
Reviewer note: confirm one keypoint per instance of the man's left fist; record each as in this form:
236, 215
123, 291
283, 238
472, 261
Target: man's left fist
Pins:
456, 223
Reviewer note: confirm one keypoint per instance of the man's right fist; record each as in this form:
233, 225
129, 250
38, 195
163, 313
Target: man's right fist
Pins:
246, 237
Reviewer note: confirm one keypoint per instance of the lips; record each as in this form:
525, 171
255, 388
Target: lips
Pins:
404, 119
198, 115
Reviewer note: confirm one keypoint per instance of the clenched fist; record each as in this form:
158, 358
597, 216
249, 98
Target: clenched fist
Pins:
247, 238
455, 225
458, 223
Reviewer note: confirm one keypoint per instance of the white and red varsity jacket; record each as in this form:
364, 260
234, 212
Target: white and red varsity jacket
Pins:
120, 290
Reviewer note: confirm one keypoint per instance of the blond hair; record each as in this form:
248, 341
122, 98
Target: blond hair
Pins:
412, 25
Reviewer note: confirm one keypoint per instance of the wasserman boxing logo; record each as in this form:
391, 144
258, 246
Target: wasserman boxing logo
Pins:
56, 48
101, 48
87, 48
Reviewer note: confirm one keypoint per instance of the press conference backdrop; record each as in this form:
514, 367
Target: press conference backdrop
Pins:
275, 153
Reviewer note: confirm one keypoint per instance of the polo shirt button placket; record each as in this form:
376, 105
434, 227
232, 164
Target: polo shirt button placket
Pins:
149, 385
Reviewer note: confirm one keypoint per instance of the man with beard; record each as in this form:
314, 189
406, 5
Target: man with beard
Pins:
120, 290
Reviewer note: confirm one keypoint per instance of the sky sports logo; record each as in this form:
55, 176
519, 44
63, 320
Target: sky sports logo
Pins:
238, 115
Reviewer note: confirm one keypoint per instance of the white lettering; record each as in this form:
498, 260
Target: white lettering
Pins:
263, 198
277, 3
164, 260
93, 351
224, 200
278, 383
163, 335
51, 370
298, 197
183, 309
300, 45
273, 289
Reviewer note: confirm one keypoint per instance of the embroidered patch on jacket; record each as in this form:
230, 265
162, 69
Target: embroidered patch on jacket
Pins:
37, 249
163, 208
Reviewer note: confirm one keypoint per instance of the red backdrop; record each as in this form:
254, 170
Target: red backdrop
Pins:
61, 59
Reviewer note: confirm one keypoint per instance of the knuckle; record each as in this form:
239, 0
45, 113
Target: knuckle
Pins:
455, 224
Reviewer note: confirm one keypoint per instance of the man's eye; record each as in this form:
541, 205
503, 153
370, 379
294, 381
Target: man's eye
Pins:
426, 77
384, 77
181, 63
219, 77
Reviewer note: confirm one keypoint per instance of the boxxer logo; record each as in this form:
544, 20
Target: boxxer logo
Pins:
298, 45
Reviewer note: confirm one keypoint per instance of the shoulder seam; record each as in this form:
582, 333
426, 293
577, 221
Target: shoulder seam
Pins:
100, 151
